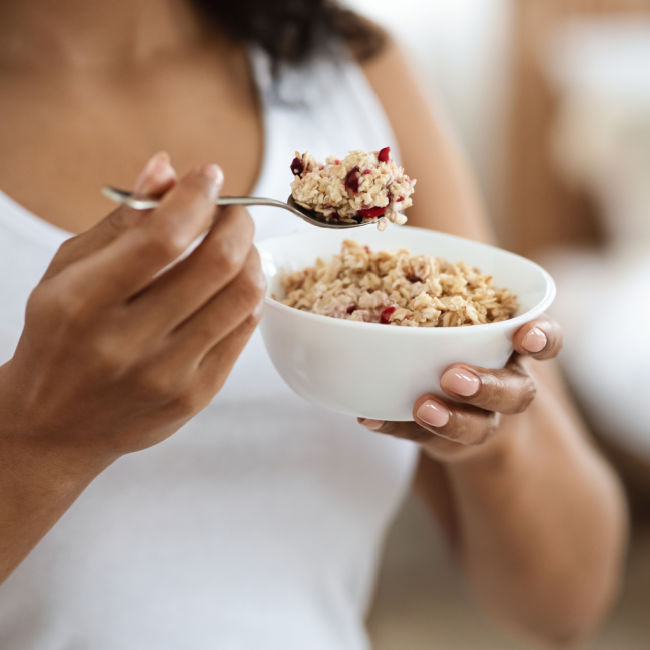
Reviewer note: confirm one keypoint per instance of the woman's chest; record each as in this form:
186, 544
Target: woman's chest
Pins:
57, 151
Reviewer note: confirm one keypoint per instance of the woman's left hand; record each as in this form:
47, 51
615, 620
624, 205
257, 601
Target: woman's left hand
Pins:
450, 430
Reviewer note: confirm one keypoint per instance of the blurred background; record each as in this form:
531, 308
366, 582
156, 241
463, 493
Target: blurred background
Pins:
551, 101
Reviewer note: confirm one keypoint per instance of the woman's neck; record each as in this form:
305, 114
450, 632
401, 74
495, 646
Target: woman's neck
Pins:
94, 35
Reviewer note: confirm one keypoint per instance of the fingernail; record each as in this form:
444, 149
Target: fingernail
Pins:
373, 425
214, 173
156, 171
535, 340
434, 414
460, 382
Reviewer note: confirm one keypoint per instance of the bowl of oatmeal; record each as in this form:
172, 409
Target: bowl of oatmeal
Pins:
364, 324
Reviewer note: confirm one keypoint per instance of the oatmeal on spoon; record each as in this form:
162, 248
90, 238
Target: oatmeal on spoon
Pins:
363, 187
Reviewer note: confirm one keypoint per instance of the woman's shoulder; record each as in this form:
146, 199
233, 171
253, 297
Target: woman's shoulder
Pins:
449, 200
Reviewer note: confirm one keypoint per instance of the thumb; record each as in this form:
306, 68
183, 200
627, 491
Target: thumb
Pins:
157, 178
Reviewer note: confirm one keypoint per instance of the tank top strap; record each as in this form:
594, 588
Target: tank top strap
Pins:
324, 105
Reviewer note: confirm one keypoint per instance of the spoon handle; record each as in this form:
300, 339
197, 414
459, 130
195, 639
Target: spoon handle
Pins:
144, 203
250, 200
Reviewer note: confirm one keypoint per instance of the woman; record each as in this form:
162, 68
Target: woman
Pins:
259, 523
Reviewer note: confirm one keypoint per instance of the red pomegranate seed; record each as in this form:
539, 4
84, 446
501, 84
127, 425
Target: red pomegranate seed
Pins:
367, 249
337, 161
352, 180
371, 213
367, 171
384, 155
401, 198
297, 167
350, 309
386, 314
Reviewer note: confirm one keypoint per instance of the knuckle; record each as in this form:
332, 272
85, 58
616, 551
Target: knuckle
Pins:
529, 392
251, 321
250, 284
226, 255
246, 225
163, 242
190, 400
526, 394
63, 303
216, 382
494, 422
258, 276
457, 430
109, 355
157, 386
488, 429
255, 316
253, 286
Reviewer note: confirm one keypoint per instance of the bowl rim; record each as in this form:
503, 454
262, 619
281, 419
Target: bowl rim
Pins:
539, 308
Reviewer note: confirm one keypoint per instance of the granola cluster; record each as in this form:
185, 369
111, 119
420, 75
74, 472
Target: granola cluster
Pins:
397, 288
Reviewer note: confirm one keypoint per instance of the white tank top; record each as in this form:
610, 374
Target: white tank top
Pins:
259, 523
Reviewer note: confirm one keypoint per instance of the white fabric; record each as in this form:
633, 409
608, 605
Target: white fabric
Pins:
258, 525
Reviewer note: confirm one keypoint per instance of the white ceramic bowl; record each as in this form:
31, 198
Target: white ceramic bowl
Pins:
378, 371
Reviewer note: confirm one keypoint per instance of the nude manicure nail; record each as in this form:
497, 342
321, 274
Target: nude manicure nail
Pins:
156, 170
461, 382
535, 340
213, 172
373, 425
434, 414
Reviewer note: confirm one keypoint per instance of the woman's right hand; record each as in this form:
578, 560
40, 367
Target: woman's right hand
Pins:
116, 356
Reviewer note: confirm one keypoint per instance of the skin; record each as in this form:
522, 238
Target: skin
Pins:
512, 476
513, 480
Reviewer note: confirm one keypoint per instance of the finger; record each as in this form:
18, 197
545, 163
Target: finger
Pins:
218, 363
540, 339
186, 287
157, 177
437, 419
195, 338
506, 390
130, 262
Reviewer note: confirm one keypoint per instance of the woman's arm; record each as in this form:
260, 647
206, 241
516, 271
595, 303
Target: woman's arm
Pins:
115, 356
536, 516
38, 483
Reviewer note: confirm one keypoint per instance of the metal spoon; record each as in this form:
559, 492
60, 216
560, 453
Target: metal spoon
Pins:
314, 218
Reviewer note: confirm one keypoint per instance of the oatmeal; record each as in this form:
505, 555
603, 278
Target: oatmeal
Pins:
397, 288
361, 187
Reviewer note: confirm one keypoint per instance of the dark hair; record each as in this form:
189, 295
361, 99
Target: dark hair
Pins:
292, 30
